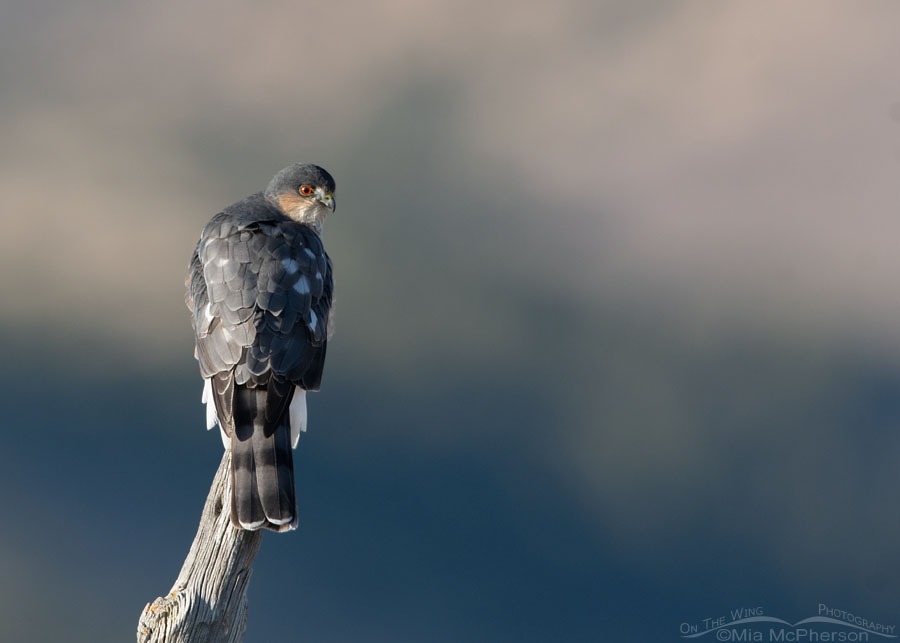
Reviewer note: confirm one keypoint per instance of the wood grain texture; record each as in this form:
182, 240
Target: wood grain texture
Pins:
208, 602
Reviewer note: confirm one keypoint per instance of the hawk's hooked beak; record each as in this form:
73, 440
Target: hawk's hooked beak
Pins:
325, 199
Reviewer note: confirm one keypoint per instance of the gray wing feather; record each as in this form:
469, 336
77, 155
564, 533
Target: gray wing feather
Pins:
260, 294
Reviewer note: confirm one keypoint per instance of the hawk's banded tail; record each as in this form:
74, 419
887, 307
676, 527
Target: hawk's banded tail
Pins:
262, 465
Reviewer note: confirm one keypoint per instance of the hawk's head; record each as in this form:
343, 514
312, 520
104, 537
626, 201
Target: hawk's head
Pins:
304, 192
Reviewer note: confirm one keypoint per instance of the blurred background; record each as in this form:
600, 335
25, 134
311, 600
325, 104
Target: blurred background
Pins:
618, 338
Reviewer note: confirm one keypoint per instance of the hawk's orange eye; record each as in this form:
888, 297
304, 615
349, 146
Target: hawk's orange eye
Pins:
305, 190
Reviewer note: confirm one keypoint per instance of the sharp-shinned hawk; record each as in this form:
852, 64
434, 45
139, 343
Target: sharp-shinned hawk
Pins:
260, 290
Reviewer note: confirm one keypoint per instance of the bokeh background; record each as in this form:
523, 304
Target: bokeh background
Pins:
618, 332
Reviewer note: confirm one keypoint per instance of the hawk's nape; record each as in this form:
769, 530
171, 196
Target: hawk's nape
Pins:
260, 288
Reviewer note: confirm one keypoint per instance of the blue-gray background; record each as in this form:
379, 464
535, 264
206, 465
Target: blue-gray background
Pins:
618, 333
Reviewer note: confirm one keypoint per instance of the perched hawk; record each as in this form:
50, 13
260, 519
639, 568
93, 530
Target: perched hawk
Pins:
260, 290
